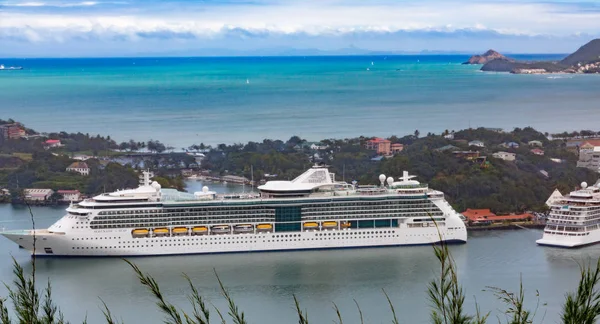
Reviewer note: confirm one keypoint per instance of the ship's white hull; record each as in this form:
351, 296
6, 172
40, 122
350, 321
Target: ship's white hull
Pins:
570, 241
120, 243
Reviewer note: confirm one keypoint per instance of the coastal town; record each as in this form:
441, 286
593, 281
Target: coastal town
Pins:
556, 162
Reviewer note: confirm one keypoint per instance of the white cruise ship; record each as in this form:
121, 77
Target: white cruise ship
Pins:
574, 219
312, 211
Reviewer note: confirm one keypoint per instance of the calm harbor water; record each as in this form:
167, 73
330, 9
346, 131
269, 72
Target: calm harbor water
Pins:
182, 101
263, 284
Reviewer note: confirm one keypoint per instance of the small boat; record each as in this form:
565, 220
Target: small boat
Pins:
345, 224
180, 231
161, 231
311, 225
199, 230
243, 228
141, 232
2, 67
330, 224
264, 227
220, 229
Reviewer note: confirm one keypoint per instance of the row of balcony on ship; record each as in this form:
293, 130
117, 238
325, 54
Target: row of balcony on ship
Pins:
228, 229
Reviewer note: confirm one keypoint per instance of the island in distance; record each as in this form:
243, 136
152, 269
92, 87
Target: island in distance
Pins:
585, 60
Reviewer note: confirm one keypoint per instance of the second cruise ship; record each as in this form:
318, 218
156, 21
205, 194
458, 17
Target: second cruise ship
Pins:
312, 211
574, 219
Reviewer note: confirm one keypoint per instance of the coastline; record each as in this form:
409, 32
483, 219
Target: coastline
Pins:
504, 227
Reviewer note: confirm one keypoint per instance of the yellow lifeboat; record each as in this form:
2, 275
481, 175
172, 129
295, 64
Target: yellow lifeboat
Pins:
140, 232
161, 231
330, 224
311, 225
345, 224
264, 226
180, 230
199, 230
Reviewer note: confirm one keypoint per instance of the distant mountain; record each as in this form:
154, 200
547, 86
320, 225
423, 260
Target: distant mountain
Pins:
585, 60
587, 53
488, 56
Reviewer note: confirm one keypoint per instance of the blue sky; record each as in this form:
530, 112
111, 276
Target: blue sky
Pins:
49, 28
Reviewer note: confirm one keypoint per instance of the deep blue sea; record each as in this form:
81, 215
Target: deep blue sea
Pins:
182, 101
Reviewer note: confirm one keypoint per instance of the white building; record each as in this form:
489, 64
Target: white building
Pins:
506, 156
535, 143
37, 194
318, 146
476, 143
589, 159
70, 195
79, 167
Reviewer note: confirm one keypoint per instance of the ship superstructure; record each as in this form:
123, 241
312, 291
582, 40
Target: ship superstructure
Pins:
574, 219
313, 211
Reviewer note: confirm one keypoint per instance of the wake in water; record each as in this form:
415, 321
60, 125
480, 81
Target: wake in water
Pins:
559, 77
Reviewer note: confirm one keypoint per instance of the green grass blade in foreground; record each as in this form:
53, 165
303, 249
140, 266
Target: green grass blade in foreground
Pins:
583, 306
173, 316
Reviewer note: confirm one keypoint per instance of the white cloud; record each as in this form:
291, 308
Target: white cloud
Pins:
51, 4
326, 19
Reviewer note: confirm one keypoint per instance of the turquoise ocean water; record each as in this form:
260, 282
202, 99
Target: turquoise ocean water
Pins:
182, 101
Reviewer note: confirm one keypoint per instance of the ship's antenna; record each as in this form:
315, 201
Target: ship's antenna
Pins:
344, 173
252, 178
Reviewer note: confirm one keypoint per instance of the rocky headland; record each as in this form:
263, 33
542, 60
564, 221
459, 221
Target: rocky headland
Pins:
486, 57
585, 60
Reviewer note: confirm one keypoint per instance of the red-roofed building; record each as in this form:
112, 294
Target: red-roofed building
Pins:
12, 131
485, 216
70, 195
537, 151
382, 146
52, 143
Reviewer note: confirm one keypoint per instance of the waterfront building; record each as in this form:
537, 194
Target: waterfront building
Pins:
12, 131
506, 156
574, 219
313, 211
69, 195
79, 167
486, 217
37, 194
235, 179
380, 145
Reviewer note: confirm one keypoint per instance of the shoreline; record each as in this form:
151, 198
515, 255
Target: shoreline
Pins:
504, 227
